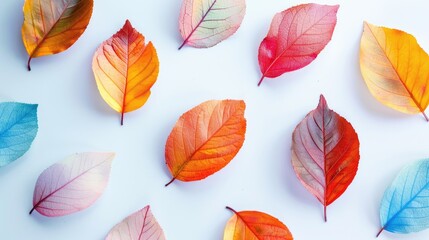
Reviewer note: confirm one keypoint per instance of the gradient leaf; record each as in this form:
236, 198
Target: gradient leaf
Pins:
18, 128
405, 204
125, 69
141, 225
205, 139
205, 23
395, 69
72, 185
52, 26
325, 153
296, 36
253, 225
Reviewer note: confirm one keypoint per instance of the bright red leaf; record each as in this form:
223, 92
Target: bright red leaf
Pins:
296, 36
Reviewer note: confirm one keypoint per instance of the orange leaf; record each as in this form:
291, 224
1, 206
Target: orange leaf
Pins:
52, 26
125, 69
395, 69
252, 225
205, 139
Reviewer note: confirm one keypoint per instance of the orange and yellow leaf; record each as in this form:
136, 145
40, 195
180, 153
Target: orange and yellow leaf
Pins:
253, 225
125, 69
52, 26
205, 139
395, 68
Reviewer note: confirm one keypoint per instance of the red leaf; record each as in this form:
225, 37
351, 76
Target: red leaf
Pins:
325, 153
296, 36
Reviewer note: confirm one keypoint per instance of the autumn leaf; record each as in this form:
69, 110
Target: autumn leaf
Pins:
253, 225
395, 69
18, 128
125, 69
325, 153
72, 185
204, 24
205, 139
405, 204
52, 26
141, 225
296, 36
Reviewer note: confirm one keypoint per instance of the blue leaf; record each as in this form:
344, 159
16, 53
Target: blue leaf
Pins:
405, 204
18, 128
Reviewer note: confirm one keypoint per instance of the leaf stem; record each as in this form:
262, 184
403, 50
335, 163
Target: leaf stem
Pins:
260, 81
324, 213
31, 211
426, 117
122, 118
28, 64
183, 44
172, 180
230, 209
381, 230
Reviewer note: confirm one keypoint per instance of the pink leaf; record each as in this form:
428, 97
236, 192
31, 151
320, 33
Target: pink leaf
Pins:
296, 36
205, 23
72, 185
141, 225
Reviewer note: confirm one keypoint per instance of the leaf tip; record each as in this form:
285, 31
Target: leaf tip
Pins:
322, 101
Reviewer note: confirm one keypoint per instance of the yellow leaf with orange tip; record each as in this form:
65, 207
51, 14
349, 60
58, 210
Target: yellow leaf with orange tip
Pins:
125, 69
253, 225
395, 68
52, 26
205, 139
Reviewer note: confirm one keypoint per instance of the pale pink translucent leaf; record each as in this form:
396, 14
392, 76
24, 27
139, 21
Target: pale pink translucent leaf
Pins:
141, 225
205, 23
72, 184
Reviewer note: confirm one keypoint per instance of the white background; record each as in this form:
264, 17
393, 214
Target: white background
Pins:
74, 118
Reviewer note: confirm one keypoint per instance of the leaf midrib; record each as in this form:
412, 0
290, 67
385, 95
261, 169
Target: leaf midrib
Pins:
286, 49
395, 70
200, 22
45, 36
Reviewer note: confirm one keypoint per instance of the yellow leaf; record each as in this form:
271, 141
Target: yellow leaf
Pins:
52, 26
395, 68
125, 69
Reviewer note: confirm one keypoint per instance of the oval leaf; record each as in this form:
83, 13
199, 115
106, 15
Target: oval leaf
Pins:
405, 204
252, 225
296, 36
395, 69
141, 225
204, 24
125, 69
205, 139
325, 153
52, 26
18, 128
72, 185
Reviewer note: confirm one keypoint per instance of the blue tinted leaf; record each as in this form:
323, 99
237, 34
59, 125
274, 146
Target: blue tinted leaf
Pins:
405, 204
18, 128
